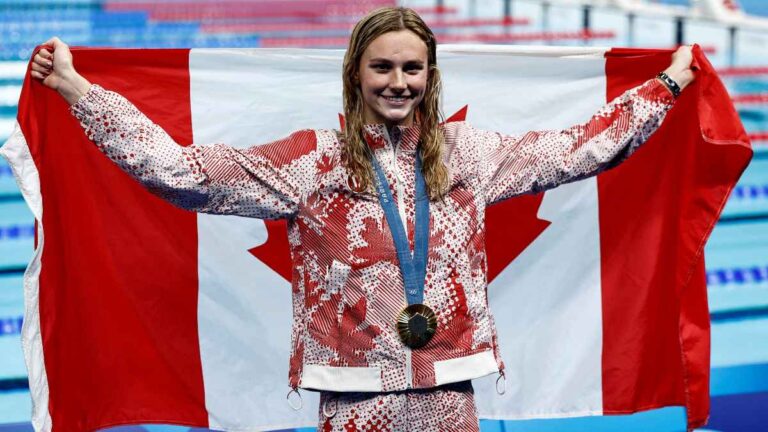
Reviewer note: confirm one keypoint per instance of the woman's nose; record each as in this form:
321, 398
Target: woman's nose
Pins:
398, 80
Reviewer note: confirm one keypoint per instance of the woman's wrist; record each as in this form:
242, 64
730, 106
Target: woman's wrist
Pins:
72, 87
682, 78
670, 84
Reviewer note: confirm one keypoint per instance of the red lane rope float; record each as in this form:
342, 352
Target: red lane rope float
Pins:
731, 5
233, 4
743, 71
707, 49
528, 36
756, 98
435, 10
445, 38
256, 27
198, 10
758, 136
192, 15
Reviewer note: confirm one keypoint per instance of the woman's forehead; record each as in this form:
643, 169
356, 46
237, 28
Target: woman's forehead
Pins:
397, 45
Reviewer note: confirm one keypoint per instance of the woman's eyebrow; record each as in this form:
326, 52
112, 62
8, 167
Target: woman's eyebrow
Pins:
383, 60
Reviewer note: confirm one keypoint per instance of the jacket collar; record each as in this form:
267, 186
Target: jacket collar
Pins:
378, 137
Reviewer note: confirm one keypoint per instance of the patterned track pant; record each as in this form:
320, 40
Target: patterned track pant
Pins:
446, 408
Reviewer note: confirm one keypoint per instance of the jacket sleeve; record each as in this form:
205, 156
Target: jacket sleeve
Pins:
541, 160
266, 181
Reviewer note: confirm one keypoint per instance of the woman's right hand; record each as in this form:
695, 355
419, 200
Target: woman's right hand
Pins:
52, 65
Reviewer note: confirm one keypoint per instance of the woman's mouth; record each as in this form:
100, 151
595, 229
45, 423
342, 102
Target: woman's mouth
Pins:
396, 100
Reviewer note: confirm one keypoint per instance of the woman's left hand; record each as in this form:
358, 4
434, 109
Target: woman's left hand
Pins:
680, 69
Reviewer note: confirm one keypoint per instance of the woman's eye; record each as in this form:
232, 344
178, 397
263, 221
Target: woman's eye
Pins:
381, 67
413, 69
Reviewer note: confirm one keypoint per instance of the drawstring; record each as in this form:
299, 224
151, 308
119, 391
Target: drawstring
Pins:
288, 398
503, 380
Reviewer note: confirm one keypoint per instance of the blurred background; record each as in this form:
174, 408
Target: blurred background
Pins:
734, 33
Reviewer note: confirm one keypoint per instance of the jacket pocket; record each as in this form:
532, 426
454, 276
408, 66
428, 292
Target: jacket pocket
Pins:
324, 311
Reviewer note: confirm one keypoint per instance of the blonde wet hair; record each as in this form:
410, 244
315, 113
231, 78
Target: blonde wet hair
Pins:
427, 114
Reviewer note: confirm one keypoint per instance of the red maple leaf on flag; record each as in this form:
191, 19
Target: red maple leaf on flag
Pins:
275, 252
510, 227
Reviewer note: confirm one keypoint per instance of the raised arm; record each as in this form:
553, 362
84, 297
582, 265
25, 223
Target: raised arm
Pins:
540, 160
266, 181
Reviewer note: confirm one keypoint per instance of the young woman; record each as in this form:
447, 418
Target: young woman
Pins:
386, 218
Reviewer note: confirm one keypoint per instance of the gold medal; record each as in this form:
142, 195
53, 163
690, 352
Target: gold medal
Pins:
416, 325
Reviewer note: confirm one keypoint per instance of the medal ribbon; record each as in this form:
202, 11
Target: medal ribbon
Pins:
413, 267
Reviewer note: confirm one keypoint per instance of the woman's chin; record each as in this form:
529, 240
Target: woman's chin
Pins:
398, 117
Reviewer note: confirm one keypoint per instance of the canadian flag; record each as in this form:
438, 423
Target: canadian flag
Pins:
139, 312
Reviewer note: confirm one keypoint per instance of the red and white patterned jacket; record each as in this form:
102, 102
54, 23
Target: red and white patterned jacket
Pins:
346, 285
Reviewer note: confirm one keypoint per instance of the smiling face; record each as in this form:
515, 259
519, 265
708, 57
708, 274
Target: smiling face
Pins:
393, 74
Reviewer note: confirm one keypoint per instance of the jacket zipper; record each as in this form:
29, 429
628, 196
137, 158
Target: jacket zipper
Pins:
401, 209
399, 186
408, 371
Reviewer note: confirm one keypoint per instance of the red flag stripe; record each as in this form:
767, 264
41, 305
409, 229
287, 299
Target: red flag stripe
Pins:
94, 337
641, 363
664, 359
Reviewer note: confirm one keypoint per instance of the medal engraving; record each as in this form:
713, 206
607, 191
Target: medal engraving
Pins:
416, 324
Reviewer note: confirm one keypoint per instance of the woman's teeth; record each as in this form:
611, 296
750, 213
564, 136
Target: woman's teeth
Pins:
395, 98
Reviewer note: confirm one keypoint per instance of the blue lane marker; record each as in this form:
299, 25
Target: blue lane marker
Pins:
737, 276
15, 232
739, 379
5, 171
670, 419
10, 326
749, 192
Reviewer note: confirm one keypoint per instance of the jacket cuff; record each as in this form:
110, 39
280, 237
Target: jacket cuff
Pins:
658, 91
89, 105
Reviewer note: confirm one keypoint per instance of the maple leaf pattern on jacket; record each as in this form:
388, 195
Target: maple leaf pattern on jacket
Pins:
375, 240
348, 335
325, 164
